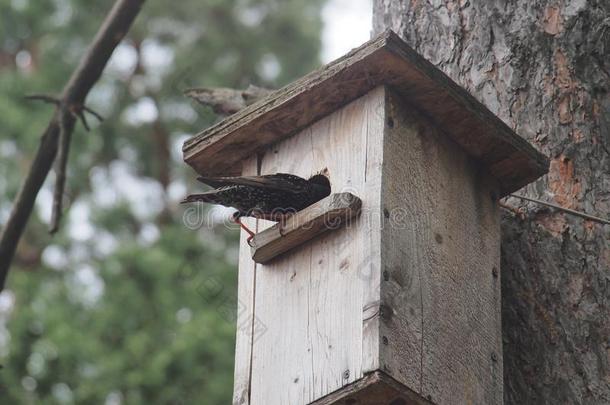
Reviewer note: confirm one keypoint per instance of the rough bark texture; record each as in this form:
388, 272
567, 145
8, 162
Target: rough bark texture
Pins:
543, 66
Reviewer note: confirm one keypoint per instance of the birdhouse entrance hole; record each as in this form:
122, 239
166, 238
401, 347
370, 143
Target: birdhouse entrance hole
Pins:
323, 180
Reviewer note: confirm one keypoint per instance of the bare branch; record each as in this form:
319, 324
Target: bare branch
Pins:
89, 70
225, 101
92, 112
47, 98
79, 113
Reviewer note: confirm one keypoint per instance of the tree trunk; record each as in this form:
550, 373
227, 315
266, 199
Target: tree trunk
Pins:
544, 68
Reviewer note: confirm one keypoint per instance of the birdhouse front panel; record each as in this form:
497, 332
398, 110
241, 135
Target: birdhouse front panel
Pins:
309, 302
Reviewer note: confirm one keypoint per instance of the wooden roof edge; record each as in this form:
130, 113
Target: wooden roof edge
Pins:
535, 163
285, 93
397, 46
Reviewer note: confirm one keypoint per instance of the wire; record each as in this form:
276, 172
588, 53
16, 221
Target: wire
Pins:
567, 210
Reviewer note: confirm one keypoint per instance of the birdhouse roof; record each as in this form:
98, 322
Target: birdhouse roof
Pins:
384, 60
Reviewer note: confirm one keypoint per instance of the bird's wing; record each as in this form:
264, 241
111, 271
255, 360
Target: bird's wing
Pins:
283, 182
243, 198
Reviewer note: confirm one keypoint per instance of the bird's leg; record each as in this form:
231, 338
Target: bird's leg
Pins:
281, 220
237, 220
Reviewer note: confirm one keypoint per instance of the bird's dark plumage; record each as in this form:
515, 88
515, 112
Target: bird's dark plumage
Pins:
263, 196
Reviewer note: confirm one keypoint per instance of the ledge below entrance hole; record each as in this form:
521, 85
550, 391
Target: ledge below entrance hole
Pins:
328, 214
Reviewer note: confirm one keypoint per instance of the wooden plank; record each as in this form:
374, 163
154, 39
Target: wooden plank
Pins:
441, 320
310, 298
370, 268
246, 321
376, 388
325, 215
405, 208
385, 60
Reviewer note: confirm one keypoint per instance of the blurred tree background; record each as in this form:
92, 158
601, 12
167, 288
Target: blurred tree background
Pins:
126, 304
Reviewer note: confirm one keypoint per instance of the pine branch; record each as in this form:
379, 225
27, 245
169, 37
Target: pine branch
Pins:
113, 30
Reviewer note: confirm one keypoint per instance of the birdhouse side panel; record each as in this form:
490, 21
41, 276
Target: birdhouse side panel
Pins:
315, 300
440, 246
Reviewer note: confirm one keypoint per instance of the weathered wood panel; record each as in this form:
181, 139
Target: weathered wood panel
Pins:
385, 60
440, 320
246, 320
311, 298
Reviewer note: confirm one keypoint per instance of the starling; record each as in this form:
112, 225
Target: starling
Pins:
272, 197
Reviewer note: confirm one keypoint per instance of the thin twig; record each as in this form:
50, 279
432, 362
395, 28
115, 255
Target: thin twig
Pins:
566, 210
93, 112
81, 116
77, 110
113, 30
47, 98
65, 134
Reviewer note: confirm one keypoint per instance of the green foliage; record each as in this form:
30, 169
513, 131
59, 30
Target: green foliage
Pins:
127, 304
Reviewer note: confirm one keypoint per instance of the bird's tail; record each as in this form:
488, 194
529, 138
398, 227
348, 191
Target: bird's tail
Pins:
208, 197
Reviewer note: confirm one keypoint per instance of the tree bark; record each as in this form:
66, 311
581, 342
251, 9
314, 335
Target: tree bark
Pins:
544, 68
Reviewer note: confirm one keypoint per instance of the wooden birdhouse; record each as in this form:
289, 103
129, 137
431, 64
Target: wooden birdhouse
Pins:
388, 290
